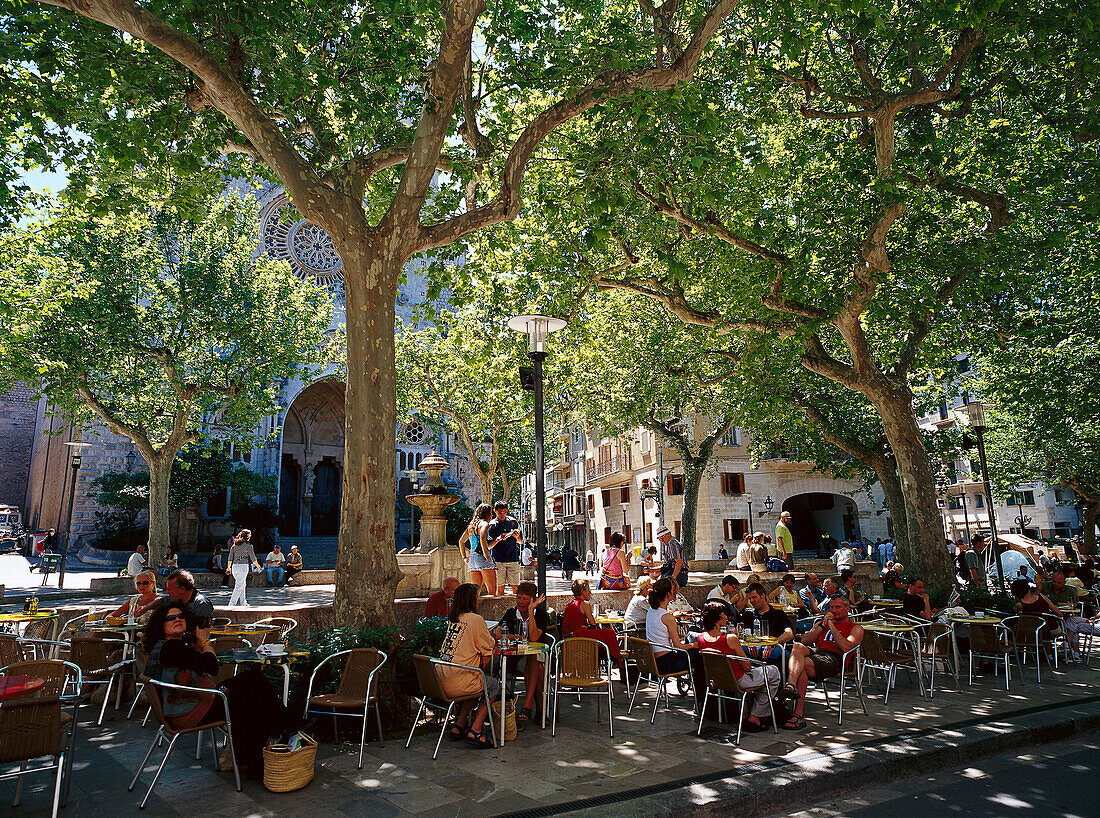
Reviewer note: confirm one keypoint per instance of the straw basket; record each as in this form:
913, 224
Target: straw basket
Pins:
286, 770
507, 725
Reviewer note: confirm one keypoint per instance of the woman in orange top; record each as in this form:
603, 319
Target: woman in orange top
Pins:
468, 642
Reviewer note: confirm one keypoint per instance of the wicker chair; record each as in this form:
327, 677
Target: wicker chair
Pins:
722, 683
937, 647
433, 696
357, 691
99, 663
1033, 633
153, 690
996, 642
577, 661
227, 670
63, 681
29, 729
12, 649
642, 652
285, 623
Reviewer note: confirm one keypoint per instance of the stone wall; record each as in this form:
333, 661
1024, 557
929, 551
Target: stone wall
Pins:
18, 408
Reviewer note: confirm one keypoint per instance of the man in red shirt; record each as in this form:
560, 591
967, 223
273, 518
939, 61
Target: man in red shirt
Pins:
820, 653
439, 603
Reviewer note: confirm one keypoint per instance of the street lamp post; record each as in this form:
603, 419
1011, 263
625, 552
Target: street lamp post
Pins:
414, 476
769, 504
976, 416
748, 499
966, 514
74, 461
1022, 519
536, 328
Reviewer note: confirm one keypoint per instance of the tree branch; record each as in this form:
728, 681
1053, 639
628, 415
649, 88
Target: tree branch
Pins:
922, 326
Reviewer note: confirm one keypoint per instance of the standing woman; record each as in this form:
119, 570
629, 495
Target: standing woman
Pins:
240, 558
615, 566
479, 562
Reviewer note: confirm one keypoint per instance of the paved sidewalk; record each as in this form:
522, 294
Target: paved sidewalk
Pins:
660, 769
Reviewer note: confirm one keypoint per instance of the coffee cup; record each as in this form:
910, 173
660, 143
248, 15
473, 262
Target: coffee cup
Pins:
979, 614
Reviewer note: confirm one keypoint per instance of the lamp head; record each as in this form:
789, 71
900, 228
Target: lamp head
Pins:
536, 328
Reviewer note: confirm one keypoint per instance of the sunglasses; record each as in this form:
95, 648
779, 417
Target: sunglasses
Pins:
173, 617
145, 582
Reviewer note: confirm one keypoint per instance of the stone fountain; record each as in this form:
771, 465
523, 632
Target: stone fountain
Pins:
432, 499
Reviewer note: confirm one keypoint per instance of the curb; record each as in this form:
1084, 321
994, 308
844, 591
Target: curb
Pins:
795, 782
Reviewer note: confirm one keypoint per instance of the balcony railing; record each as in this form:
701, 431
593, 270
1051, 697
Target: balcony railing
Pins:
603, 468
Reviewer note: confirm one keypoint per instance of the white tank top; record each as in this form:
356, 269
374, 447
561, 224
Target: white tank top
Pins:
656, 631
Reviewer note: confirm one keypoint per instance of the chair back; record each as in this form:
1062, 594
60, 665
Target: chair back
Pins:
872, 649
90, 653
427, 674
580, 659
986, 638
1026, 626
30, 728
718, 669
285, 624
642, 652
221, 622
357, 669
55, 673
38, 629
10, 649
224, 643
156, 704
934, 644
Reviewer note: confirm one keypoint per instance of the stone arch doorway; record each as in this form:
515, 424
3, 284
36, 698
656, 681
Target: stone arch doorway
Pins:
311, 482
818, 519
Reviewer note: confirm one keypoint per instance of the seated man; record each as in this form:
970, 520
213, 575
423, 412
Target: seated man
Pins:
528, 621
853, 592
439, 603
812, 595
1060, 592
820, 653
916, 602
137, 562
180, 590
832, 589
273, 566
775, 623
758, 554
728, 591
293, 562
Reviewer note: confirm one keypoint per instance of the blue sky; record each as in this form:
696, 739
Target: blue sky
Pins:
41, 180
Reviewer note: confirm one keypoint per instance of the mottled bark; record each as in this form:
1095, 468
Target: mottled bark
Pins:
693, 479
1088, 524
160, 474
887, 474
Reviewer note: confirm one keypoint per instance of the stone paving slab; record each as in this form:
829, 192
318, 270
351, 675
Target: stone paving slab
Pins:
646, 769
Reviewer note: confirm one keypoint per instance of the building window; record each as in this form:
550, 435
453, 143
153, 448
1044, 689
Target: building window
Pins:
1028, 498
979, 500
734, 530
626, 534
607, 535
415, 434
1063, 497
964, 364
675, 484
677, 526
733, 483
591, 502
645, 483
606, 493
731, 438
625, 496
649, 532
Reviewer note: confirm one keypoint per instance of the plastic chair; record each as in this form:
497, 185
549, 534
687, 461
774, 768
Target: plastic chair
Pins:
358, 689
153, 689
722, 683
996, 642
30, 729
577, 661
642, 651
432, 695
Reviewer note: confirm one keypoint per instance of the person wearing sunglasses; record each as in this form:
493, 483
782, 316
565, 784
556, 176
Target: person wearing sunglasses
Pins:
140, 605
180, 652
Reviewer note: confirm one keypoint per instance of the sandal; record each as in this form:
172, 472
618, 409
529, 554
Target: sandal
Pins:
795, 722
751, 727
458, 732
479, 740
524, 714
789, 693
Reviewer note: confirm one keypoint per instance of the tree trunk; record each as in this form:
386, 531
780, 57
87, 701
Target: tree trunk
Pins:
887, 474
1088, 527
160, 474
366, 564
923, 523
693, 479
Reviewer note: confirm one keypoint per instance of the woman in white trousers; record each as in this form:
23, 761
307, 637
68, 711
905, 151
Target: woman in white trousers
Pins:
241, 556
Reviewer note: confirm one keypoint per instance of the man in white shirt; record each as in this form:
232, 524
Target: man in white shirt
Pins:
273, 566
137, 562
844, 557
743, 554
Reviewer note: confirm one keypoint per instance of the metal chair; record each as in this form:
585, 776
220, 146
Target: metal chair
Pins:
845, 672
723, 684
220, 622
876, 657
647, 666
996, 642
98, 660
1033, 633
433, 696
12, 649
285, 624
577, 661
31, 729
358, 689
153, 688
936, 647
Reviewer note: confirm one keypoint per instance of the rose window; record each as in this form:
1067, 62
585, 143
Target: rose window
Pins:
305, 246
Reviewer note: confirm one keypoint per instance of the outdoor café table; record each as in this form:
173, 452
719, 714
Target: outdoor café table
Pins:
244, 631
885, 603
751, 640
9, 622
611, 619
522, 649
913, 639
247, 656
13, 686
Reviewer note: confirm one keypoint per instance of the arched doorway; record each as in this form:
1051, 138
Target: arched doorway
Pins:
310, 485
819, 519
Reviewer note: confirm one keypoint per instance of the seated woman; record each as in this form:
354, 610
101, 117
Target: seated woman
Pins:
577, 620
616, 566
712, 638
638, 606
180, 653
785, 595
1029, 601
169, 563
139, 606
468, 642
661, 630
